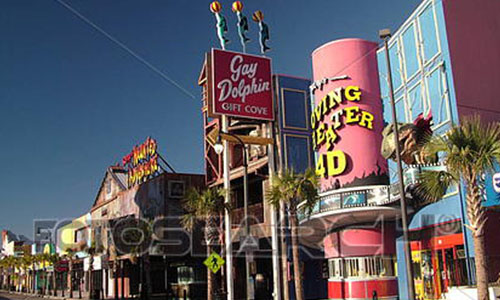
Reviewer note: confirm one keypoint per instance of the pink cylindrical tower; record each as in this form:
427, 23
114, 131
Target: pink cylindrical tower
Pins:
347, 116
347, 124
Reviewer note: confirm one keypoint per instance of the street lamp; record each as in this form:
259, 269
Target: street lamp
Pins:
385, 34
218, 147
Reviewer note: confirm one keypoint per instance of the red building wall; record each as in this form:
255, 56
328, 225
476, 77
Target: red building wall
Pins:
474, 42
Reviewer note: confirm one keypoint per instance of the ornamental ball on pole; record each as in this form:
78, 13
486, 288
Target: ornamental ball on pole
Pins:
237, 6
215, 7
258, 16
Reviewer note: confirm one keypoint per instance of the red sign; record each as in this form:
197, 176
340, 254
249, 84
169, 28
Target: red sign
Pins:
62, 266
142, 162
241, 85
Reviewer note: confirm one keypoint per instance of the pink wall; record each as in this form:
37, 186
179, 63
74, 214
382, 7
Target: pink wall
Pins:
355, 58
474, 41
360, 242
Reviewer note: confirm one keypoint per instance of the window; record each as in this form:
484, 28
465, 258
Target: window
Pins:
437, 97
382, 66
410, 52
428, 34
108, 189
294, 108
185, 274
352, 267
362, 267
297, 152
400, 110
416, 101
395, 69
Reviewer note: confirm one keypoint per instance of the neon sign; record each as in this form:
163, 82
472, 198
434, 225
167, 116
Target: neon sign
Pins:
334, 162
142, 162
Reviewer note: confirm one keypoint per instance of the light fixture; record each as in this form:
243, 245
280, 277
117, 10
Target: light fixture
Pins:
384, 33
218, 147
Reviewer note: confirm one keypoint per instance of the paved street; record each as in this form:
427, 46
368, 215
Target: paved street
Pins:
4, 296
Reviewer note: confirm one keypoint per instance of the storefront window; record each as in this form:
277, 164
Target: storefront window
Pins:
185, 274
362, 267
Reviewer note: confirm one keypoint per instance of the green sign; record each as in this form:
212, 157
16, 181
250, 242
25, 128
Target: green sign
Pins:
214, 262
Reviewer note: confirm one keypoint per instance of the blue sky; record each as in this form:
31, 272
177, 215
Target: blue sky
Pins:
72, 102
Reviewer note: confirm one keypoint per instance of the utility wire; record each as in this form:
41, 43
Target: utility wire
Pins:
127, 49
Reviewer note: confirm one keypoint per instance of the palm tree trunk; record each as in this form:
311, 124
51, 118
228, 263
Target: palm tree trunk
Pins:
284, 253
297, 275
481, 268
210, 277
477, 218
90, 271
70, 271
211, 235
54, 281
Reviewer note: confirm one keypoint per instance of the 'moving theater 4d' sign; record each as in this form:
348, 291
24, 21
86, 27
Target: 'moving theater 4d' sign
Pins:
347, 119
241, 85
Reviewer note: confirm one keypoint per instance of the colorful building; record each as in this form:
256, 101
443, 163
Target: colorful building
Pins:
441, 60
118, 270
291, 133
354, 222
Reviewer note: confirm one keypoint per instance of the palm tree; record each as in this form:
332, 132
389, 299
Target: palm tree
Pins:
26, 262
54, 259
292, 189
90, 251
205, 206
70, 254
140, 254
470, 150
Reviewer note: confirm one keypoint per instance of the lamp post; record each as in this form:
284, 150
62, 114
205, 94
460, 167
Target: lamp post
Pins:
385, 34
219, 148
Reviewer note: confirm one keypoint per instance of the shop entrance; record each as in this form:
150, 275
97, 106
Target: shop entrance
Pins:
439, 268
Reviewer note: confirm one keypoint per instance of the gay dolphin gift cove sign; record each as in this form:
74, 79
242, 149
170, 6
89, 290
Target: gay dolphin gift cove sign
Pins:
241, 85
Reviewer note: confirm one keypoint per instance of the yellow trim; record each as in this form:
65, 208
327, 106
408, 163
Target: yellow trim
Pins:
306, 115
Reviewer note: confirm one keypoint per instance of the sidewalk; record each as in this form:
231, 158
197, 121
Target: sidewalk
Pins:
84, 297
41, 296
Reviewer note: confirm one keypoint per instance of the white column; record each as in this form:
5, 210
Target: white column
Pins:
227, 215
274, 222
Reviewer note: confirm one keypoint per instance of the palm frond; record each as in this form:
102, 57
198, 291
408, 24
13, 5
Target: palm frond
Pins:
200, 205
293, 188
432, 186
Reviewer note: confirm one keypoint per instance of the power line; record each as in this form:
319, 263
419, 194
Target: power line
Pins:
127, 49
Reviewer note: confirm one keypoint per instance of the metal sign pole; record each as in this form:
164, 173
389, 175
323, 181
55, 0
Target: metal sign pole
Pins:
274, 222
227, 215
404, 212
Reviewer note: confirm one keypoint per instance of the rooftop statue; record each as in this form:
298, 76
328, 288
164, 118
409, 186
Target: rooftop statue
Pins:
242, 23
221, 24
258, 17
412, 136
